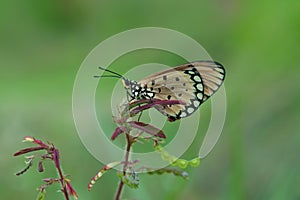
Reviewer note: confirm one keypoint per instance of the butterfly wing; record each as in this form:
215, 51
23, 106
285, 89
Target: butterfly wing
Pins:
212, 74
192, 83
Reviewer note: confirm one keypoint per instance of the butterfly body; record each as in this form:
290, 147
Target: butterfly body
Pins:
138, 91
193, 83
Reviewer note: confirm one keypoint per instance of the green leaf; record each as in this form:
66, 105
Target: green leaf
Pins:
41, 195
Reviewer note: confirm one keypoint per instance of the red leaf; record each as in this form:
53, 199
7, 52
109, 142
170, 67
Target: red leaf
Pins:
119, 130
71, 190
155, 102
27, 150
147, 128
56, 158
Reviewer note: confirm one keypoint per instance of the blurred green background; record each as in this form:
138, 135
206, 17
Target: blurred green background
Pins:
43, 44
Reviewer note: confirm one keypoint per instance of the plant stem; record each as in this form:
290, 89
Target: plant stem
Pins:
121, 184
120, 188
63, 185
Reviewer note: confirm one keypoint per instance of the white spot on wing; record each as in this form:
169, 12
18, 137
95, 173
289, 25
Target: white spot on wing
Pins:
190, 110
196, 103
197, 79
200, 86
219, 70
199, 95
183, 114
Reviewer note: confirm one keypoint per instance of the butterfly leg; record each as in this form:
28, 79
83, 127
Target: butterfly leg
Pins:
127, 96
140, 115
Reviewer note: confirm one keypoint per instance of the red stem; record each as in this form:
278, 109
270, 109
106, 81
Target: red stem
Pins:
62, 182
121, 184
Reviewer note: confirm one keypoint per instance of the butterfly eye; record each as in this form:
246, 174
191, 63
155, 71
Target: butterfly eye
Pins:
126, 83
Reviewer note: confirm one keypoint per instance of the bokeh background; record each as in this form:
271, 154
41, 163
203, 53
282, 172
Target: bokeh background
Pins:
43, 43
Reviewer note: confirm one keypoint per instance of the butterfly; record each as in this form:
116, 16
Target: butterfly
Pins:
192, 83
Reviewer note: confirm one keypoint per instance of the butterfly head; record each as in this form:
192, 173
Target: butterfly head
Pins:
133, 88
126, 83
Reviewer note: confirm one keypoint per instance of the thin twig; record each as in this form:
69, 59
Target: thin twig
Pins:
121, 184
61, 176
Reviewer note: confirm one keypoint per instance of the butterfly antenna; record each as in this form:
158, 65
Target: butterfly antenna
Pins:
110, 76
117, 75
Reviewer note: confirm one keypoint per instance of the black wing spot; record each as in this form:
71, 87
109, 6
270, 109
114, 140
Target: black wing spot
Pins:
171, 118
165, 78
169, 97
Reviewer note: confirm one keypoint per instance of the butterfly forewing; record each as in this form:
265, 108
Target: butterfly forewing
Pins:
192, 83
212, 74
